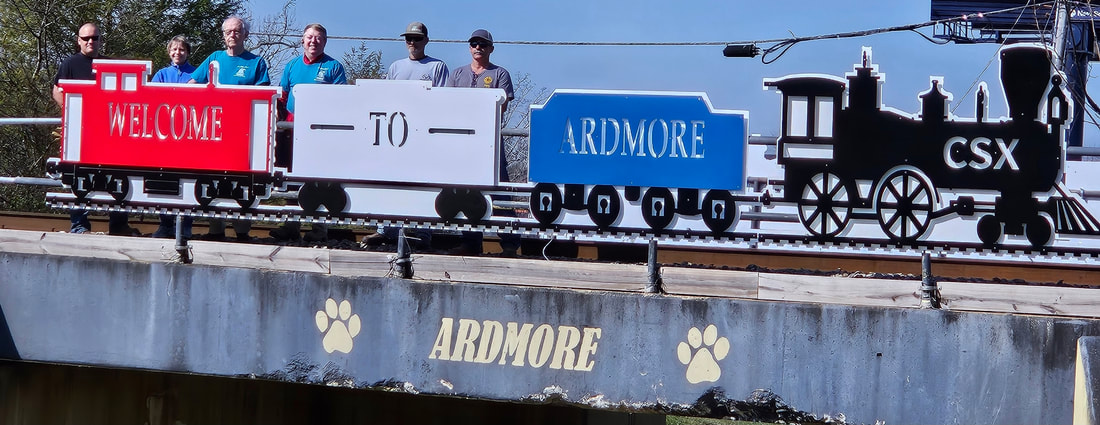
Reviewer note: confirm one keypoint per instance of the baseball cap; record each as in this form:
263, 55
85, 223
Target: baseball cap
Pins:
483, 34
416, 28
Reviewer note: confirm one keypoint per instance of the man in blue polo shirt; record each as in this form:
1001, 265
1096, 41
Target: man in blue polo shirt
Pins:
313, 67
236, 66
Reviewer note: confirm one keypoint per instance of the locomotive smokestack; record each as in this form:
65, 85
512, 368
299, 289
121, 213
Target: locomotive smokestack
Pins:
1025, 73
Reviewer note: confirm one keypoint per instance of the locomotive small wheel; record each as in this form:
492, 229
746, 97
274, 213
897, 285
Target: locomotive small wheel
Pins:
309, 197
336, 198
604, 206
658, 208
904, 205
546, 203
205, 191
719, 211
447, 204
1039, 231
825, 207
474, 206
118, 187
989, 230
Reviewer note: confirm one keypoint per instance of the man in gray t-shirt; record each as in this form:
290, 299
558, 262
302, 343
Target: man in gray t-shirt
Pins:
482, 73
418, 66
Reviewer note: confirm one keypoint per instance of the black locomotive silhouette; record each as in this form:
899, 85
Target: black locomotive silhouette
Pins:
860, 160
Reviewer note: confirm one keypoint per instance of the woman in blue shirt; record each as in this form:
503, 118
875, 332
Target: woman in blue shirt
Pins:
177, 71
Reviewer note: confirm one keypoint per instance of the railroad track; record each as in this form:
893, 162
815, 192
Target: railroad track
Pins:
826, 260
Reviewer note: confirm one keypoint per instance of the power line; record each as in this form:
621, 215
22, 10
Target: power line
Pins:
781, 42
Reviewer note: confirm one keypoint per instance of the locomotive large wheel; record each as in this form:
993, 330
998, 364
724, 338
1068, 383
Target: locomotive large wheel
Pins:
658, 208
1039, 232
309, 197
989, 230
904, 205
205, 191
448, 204
719, 211
604, 206
825, 207
118, 187
546, 203
474, 206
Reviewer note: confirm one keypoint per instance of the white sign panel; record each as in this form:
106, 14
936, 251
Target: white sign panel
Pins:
396, 131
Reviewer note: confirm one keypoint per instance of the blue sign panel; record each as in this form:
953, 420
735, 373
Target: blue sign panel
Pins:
630, 138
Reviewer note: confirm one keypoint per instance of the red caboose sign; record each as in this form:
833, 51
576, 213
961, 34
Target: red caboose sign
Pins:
120, 120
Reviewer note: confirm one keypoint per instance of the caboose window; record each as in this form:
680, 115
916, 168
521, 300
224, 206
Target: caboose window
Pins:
797, 108
129, 81
109, 81
824, 125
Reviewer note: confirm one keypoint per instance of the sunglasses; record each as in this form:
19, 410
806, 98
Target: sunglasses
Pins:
90, 38
413, 39
480, 43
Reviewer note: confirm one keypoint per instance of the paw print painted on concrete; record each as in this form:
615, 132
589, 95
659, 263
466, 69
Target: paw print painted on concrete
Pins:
703, 365
343, 328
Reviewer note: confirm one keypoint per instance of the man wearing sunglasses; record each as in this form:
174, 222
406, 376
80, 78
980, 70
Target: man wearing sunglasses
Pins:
79, 67
483, 73
418, 66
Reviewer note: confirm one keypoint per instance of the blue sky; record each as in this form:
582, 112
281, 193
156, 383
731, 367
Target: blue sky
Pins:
732, 83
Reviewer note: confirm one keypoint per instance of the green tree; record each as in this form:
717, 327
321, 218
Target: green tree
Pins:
362, 62
35, 36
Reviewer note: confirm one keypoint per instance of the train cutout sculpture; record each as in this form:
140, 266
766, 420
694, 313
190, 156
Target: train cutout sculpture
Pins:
605, 162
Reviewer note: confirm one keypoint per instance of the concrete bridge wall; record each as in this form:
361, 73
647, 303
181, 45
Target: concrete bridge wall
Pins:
595, 349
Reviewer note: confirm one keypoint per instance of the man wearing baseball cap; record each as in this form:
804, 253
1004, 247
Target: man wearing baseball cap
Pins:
484, 74
418, 66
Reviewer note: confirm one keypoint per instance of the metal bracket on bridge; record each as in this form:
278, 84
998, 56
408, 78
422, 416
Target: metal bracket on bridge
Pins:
183, 248
403, 262
653, 286
929, 291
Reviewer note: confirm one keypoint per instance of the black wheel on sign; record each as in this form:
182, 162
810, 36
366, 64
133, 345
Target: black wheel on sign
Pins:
989, 230
245, 196
474, 206
825, 207
604, 206
82, 186
336, 199
719, 211
118, 187
309, 197
658, 208
206, 191
904, 205
546, 203
448, 204
1039, 231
